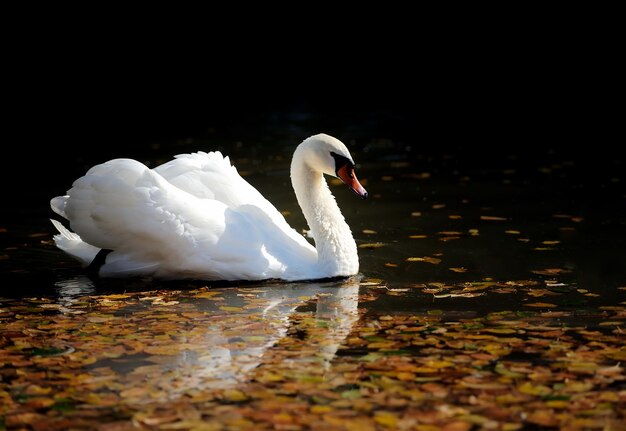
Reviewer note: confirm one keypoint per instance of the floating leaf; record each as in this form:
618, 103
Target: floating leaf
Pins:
231, 309
428, 259
551, 271
458, 269
371, 245
540, 305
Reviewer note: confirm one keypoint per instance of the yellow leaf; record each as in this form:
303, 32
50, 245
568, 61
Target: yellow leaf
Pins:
583, 367
405, 377
386, 419
371, 245
228, 308
545, 418
557, 404
37, 390
433, 260
536, 390
234, 395
317, 409
497, 349
460, 269
117, 296
573, 386
439, 364
492, 218
208, 294
502, 370
39, 402
540, 305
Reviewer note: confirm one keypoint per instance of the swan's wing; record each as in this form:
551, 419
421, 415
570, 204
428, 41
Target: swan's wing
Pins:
154, 227
211, 176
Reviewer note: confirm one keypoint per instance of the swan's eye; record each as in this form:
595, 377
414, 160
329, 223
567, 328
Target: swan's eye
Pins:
341, 161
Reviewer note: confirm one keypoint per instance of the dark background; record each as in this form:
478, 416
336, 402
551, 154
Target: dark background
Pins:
534, 89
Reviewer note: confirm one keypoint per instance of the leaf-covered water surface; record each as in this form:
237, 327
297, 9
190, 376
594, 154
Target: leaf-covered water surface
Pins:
491, 296
314, 356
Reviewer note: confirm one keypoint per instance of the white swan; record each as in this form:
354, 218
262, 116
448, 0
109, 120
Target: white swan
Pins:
194, 217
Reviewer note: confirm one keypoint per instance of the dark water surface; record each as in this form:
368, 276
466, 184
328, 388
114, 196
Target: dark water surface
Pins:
452, 231
489, 211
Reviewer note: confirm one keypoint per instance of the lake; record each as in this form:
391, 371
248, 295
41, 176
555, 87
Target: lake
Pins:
491, 295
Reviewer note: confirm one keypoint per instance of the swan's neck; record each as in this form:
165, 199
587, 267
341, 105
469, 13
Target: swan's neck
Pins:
336, 248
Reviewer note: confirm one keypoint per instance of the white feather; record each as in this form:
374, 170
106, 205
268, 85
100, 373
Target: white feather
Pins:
73, 245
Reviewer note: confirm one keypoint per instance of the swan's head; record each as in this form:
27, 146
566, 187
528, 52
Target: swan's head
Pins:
326, 154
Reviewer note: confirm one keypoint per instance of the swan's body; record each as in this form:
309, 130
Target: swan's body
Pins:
196, 217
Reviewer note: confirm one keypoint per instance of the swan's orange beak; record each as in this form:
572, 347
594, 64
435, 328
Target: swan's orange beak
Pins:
347, 175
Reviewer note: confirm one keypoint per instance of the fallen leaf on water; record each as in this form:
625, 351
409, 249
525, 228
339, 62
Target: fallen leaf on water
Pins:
460, 295
418, 236
540, 305
433, 260
208, 294
536, 293
369, 232
448, 238
492, 218
551, 271
228, 308
371, 245
388, 420
459, 269
534, 389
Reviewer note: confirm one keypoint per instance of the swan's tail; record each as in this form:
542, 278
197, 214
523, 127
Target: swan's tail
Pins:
71, 243
58, 205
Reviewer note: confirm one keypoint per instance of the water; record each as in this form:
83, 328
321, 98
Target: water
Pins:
553, 208
450, 234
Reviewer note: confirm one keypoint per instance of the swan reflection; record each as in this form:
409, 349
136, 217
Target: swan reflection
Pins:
162, 344
233, 346
70, 290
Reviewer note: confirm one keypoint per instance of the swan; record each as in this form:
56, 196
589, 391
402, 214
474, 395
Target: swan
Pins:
195, 217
